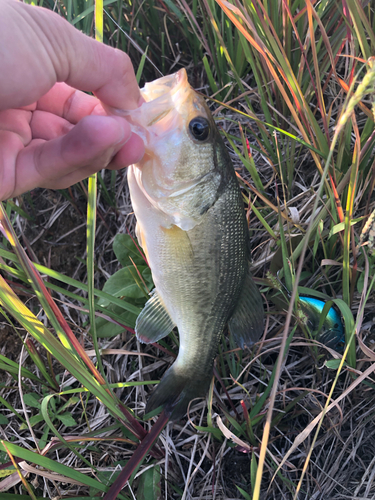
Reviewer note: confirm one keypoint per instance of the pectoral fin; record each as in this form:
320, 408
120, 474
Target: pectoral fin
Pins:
246, 322
179, 245
154, 321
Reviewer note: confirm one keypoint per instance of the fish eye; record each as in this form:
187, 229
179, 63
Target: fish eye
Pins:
199, 128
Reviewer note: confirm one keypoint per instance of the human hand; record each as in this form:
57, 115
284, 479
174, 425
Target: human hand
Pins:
52, 135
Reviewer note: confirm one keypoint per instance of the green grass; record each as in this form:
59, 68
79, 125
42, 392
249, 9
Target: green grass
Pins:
297, 95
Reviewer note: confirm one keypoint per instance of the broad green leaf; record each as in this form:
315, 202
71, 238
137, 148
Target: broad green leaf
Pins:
35, 419
67, 419
125, 283
124, 247
3, 420
149, 485
32, 399
333, 364
105, 328
147, 276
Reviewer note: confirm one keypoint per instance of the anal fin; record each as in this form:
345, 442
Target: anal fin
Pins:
246, 322
154, 322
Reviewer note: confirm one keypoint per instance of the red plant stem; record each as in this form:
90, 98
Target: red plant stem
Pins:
137, 427
163, 349
137, 456
139, 250
339, 209
139, 431
245, 412
9, 464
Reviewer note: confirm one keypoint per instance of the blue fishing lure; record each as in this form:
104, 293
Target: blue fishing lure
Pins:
332, 333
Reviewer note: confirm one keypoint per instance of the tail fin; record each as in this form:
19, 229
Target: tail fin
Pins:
175, 392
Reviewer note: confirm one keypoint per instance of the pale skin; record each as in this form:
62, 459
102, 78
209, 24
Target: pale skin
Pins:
52, 134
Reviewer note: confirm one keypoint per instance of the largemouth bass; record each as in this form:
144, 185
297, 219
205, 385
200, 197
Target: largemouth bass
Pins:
191, 225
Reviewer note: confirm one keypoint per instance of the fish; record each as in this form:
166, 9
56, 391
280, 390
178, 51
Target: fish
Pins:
192, 228
332, 333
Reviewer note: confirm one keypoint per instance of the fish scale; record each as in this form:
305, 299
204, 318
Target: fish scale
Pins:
202, 310
191, 224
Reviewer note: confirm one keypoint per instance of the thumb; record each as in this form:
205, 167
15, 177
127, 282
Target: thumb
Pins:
45, 49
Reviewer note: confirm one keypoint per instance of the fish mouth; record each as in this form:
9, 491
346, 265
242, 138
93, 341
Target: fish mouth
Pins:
159, 117
167, 85
161, 98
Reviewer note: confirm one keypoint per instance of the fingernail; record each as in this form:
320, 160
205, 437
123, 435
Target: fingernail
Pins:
125, 131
